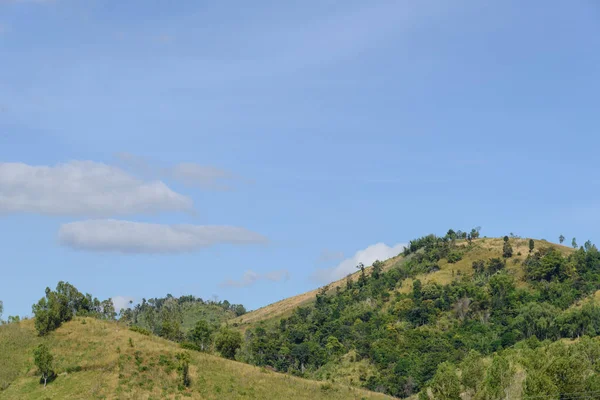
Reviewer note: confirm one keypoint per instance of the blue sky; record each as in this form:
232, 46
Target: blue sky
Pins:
242, 151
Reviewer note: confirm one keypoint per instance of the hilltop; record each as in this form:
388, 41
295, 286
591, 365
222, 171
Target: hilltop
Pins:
97, 359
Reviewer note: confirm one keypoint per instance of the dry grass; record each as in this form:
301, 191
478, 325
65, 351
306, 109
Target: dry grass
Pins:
285, 307
94, 360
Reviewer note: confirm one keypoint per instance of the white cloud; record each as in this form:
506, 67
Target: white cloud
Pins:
251, 277
83, 188
379, 251
121, 302
108, 235
190, 174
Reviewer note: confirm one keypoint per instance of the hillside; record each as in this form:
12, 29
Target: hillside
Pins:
482, 248
413, 324
286, 306
94, 359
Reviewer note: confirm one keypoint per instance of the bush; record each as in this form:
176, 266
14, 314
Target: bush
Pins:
454, 257
140, 330
190, 346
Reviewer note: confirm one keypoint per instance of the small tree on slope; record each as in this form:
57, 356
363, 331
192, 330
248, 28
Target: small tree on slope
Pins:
43, 360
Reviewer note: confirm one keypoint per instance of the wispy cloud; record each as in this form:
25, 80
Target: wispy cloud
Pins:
83, 188
379, 251
251, 277
110, 235
190, 174
330, 255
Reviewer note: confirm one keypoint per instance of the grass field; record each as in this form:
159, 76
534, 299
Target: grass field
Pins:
95, 359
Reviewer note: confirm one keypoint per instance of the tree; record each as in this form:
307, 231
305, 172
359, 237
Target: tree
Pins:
445, 384
495, 264
507, 250
531, 245
43, 361
201, 334
417, 286
1, 309
227, 342
475, 232
561, 239
498, 377
184, 368
479, 266
574, 243
377, 269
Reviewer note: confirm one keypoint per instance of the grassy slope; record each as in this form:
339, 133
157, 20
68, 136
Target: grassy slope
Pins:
482, 249
284, 307
111, 368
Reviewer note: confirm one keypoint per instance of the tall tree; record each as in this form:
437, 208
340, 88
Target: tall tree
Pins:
561, 239
507, 250
43, 361
574, 243
201, 334
1, 309
531, 245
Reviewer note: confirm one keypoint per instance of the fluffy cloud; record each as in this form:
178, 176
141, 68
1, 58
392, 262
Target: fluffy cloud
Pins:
109, 235
121, 302
379, 251
251, 277
190, 174
82, 188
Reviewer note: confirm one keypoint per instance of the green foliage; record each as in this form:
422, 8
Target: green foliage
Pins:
43, 361
472, 371
184, 369
445, 385
574, 243
202, 335
227, 342
507, 250
497, 378
142, 331
64, 303
454, 257
561, 239
173, 318
531, 245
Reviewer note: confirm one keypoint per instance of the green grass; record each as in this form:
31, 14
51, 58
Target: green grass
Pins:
96, 361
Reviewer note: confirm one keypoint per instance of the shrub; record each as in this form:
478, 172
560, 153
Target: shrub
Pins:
140, 330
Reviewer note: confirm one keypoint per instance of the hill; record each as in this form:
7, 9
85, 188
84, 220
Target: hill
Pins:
481, 248
414, 324
97, 359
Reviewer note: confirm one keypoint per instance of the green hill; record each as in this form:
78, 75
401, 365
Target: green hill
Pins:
414, 324
95, 359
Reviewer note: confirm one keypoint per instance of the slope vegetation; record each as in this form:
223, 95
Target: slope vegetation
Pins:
416, 323
96, 359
